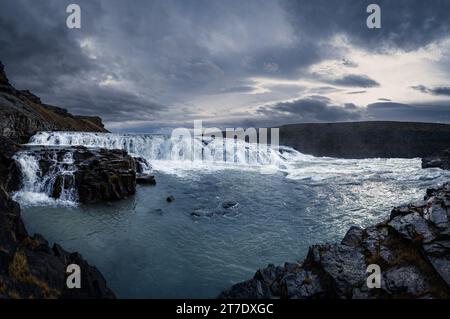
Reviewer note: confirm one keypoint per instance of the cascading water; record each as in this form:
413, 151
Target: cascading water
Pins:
165, 148
52, 182
189, 157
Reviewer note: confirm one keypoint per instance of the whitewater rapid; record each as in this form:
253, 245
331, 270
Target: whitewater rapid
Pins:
188, 158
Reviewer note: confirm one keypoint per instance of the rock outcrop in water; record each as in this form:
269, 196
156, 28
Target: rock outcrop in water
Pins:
22, 114
439, 160
82, 174
29, 267
105, 175
412, 249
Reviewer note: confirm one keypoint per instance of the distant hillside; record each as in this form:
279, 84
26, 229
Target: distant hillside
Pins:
22, 114
367, 139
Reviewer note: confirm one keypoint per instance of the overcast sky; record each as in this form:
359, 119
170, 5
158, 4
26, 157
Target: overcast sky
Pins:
152, 65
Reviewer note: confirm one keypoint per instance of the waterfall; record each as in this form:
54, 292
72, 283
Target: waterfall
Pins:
52, 182
52, 179
164, 148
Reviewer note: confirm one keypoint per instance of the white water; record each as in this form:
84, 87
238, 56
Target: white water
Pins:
177, 150
188, 158
37, 186
179, 157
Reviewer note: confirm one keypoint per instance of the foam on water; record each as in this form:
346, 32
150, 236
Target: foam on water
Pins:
188, 158
37, 186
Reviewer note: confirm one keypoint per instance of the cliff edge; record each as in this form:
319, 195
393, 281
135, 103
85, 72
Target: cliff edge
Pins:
22, 114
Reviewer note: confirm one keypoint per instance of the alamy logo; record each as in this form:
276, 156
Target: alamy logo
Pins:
374, 279
73, 21
232, 145
374, 19
74, 278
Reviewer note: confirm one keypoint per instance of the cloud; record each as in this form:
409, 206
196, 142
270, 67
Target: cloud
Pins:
406, 24
238, 89
440, 90
312, 109
354, 80
357, 92
159, 63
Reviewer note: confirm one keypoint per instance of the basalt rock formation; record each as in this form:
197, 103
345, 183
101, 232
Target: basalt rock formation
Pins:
90, 175
439, 160
104, 175
22, 114
412, 249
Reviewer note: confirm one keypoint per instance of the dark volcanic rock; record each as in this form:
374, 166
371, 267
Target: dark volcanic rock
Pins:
109, 175
229, 204
412, 249
98, 174
9, 172
145, 179
439, 160
142, 165
22, 114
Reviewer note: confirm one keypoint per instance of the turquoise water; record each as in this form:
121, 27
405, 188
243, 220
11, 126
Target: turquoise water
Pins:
149, 248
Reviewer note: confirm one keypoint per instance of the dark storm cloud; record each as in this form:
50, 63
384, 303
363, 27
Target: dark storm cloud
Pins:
151, 60
312, 109
355, 80
238, 89
356, 92
440, 90
406, 24
110, 104
42, 55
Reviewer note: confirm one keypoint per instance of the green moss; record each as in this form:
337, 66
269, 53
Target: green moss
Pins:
18, 269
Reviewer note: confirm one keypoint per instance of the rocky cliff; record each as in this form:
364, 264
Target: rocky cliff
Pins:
367, 139
439, 160
29, 266
412, 248
22, 114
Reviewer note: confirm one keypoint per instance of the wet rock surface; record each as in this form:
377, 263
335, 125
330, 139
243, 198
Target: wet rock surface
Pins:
412, 249
145, 179
439, 160
96, 174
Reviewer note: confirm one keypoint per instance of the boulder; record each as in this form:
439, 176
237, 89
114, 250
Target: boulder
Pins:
106, 176
229, 204
439, 160
145, 179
